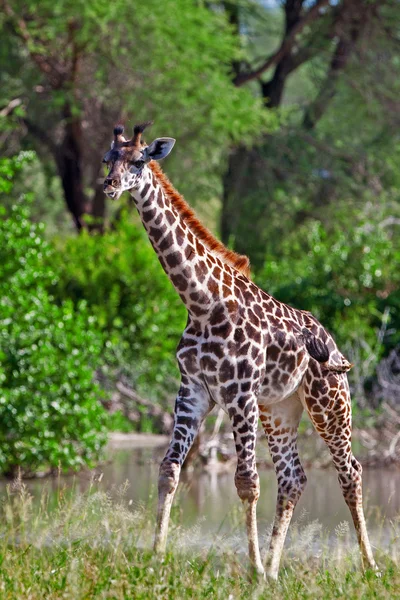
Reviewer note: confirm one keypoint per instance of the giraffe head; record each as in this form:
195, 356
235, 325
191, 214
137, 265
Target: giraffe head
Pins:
127, 159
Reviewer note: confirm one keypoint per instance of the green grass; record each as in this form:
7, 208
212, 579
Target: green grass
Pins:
95, 545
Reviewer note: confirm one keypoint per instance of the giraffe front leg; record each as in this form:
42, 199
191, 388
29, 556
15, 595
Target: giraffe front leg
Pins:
249, 498
280, 422
246, 477
167, 483
191, 407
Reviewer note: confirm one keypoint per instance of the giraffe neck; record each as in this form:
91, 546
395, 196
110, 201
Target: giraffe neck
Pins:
198, 275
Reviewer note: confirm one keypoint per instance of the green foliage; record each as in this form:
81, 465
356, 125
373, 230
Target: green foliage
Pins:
117, 421
135, 305
312, 200
166, 61
301, 171
10, 167
50, 414
345, 273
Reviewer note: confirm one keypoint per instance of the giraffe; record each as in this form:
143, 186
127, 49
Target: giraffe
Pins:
242, 350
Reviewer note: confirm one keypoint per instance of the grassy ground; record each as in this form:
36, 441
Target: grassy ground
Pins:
94, 545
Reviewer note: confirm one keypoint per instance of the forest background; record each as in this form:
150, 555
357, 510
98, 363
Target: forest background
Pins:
286, 117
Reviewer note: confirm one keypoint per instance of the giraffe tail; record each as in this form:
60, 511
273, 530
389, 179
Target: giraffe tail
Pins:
319, 350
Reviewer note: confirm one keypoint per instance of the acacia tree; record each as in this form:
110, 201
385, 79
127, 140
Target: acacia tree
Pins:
54, 61
67, 78
330, 44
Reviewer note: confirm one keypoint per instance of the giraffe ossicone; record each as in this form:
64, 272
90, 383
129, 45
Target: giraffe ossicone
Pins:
241, 349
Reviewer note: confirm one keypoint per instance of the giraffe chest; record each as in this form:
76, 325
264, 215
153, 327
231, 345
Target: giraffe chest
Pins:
224, 357
218, 355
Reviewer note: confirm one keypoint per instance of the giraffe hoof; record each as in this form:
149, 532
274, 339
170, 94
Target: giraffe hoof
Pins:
159, 547
271, 576
256, 574
373, 569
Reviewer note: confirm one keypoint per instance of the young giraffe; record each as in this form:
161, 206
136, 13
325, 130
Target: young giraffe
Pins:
241, 349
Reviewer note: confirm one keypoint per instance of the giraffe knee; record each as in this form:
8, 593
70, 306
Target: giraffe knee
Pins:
300, 485
356, 465
291, 478
350, 474
291, 488
248, 486
168, 478
351, 483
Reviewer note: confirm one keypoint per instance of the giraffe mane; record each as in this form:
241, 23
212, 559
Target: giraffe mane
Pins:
240, 262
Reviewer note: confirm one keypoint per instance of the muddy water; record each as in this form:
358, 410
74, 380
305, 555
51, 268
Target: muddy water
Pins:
208, 508
213, 495
208, 504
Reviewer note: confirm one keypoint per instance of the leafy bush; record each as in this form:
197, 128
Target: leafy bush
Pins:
345, 273
50, 414
136, 307
10, 167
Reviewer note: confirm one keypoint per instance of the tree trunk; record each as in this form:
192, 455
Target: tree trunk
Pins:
234, 185
272, 90
70, 168
245, 212
69, 163
98, 209
237, 181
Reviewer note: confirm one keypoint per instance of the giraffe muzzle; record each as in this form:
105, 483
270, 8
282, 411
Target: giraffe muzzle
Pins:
110, 187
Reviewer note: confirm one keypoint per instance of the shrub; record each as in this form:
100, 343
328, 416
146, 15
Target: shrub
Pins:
346, 274
138, 310
50, 414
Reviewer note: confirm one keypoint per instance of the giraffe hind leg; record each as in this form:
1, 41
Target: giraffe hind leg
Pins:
191, 407
280, 422
326, 397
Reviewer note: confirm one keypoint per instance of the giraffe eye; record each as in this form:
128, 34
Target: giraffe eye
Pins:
138, 164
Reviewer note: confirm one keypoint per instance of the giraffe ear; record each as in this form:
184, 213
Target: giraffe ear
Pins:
158, 149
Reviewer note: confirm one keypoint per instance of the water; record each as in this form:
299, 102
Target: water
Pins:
208, 506
210, 513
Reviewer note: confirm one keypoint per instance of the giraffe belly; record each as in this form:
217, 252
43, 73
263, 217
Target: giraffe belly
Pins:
239, 369
235, 380
282, 378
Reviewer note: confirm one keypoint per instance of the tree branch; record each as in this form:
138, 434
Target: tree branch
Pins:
20, 28
328, 149
11, 106
343, 50
285, 47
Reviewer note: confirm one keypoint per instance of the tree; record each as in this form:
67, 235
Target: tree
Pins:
69, 76
321, 62
50, 414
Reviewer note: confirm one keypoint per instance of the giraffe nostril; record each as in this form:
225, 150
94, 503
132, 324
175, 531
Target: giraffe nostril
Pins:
114, 182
